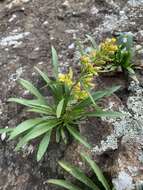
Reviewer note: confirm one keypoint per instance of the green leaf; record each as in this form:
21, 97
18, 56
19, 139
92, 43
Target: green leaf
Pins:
78, 174
25, 102
43, 145
35, 110
44, 76
35, 104
100, 113
111, 90
90, 96
97, 171
36, 132
24, 126
131, 71
5, 130
58, 135
60, 108
92, 41
51, 83
55, 62
64, 137
79, 47
96, 96
77, 136
57, 94
31, 88
64, 183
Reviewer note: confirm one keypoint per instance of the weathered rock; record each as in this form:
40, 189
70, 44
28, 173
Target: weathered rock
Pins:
117, 143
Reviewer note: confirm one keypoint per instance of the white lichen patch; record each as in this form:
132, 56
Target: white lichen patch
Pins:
135, 3
13, 39
109, 144
123, 181
129, 125
130, 132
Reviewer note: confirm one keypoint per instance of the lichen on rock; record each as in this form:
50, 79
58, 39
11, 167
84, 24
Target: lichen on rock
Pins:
129, 129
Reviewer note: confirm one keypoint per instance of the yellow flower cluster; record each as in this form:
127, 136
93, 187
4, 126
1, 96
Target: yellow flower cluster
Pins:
77, 90
88, 81
88, 65
66, 78
109, 45
79, 93
93, 54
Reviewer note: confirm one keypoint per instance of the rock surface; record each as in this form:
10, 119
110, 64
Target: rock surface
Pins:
27, 30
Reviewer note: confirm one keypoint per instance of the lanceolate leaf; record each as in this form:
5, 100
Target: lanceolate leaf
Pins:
36, 132
23, 101
64, 183
36, 104
87, 102
63, 135
77, 136
97, 171
43, 145
96, 96
31, 88
131, 71
90, 96
78, 174
40, 111
49, 82
58, 134
104, 114
55, 62
44, 76
60, 108
111, 90
24, 126
92, 41
80, 47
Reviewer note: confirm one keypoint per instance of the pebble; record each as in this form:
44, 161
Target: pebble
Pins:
12, 18
65, 4
71, 46
94, 10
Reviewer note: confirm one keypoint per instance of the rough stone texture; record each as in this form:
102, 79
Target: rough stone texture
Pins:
27, 30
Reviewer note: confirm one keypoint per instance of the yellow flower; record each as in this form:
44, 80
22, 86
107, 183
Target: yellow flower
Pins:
66, 78
77, 87
78, 93
90, 69
113, 40
85, 59
81, 95
93, 54
109, 45
88, 81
